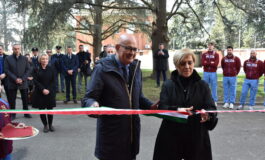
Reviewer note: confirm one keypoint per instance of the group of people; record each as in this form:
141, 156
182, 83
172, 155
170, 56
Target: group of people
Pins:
231, 65
119, 75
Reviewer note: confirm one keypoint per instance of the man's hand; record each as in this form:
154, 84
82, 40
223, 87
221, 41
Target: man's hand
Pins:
45, 91
155, 105
19, 81
204, 116
78, 70
70, 72
95, 104
30, 78
86, 61
2, 76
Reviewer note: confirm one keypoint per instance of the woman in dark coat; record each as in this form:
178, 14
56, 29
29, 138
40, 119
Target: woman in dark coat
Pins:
185, 91
44, 93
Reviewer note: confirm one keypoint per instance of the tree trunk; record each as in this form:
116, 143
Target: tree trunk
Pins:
97, 37
5, 25
160, 28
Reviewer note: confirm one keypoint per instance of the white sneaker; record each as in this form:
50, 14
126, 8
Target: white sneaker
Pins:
250, 108
231, 106
215, 104
240, 107
226, 105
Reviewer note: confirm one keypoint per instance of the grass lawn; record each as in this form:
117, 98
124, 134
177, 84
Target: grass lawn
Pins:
151, 92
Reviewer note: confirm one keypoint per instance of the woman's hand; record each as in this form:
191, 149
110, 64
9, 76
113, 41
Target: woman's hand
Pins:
45, 91
204, 116
186, 110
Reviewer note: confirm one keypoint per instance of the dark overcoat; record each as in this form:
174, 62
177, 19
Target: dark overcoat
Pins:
161, 60
185, 140
17, 68
118, 137
44, 79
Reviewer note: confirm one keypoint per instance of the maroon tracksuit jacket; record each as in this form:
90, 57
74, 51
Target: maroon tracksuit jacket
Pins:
231, 66
253, 68
210, 61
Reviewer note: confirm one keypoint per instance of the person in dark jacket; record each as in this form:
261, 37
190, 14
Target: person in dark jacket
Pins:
30, 79
84, 69
70, 66
116, 82
57, 60
34, 58
44, 94
185, 91
17, 70
161, 58
2, 71
254, 70
231, 66
104, 53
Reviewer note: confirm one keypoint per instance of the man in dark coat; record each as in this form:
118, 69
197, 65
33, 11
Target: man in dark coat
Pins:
161, 59
116, 82
70, 65
17, 70
57, 60
2, 72
103, 54
34, 58
84, 69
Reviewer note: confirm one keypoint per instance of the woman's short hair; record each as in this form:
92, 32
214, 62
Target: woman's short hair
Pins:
42, 55
179, 56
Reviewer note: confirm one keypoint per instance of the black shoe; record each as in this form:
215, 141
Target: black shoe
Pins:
27, 116
63, 91
157, 86
51, 128
66, 101
45, 129
57, 91
75, 101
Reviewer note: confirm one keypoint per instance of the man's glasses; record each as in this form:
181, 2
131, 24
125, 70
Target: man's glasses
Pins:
129, 48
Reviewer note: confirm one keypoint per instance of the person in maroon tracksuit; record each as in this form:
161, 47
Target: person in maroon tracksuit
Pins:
254, 70
210, 61
231, 66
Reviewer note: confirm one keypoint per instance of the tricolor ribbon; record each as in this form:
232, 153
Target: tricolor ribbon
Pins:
178, 116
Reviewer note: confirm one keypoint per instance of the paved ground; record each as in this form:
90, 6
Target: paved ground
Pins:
238, 136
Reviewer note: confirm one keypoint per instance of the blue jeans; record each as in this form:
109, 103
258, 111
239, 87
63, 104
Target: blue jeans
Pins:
61, 81
8, 157
211, 79
264, 91
251, 84
229, 84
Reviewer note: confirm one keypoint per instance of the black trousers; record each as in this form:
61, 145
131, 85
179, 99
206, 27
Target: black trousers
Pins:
12, 94
158, 72
70, 80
